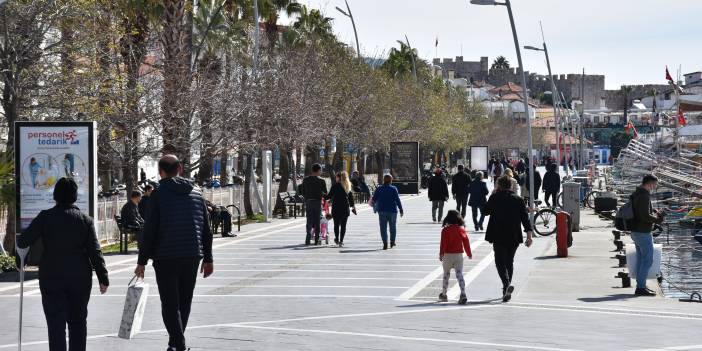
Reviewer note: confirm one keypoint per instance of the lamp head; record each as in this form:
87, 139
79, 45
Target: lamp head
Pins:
483, 2
342, 11
528, 47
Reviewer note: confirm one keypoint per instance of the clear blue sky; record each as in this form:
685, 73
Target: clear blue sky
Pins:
629, 41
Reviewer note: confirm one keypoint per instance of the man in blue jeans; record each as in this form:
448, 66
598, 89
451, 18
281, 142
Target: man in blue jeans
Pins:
644, 220
386, 201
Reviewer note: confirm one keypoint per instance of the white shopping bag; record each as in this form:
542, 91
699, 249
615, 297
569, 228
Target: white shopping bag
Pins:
631, 261
134, 306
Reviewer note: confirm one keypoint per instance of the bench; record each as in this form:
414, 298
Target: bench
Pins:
124, 233
294, 202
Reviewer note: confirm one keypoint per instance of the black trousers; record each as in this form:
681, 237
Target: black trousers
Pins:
461, 203
340, 227
550, 196
314, 215
504, 261
176, 282
65, 302
478, 223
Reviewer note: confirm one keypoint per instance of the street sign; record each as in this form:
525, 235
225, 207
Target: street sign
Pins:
479, 158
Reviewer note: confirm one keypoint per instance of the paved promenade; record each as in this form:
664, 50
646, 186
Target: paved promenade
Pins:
271, 293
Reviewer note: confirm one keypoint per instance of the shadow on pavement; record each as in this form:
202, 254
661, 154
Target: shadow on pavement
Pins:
543, 258
359, 251
615, 297
294, 247
452, 304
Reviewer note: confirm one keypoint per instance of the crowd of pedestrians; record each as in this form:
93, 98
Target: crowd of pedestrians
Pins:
174, 229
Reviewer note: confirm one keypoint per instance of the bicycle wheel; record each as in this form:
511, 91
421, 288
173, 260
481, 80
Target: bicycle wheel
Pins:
560, 200
590, 199
545, 222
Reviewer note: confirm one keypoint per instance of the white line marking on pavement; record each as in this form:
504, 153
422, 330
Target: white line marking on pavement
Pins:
470, 276
674, 348
404, 338
603, 310
428, 279
321, 264
286, 278
256, 286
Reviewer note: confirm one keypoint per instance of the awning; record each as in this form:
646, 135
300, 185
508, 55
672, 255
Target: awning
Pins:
691, 103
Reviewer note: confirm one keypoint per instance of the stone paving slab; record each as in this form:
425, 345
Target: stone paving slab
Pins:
271, 293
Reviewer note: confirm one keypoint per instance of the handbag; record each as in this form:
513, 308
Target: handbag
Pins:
134, 306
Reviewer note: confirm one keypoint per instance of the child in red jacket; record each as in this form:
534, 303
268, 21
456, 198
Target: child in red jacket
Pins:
454, 241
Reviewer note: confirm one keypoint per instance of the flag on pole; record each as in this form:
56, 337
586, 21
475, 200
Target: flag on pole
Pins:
631, 128
681, 118
668, 77
436, 44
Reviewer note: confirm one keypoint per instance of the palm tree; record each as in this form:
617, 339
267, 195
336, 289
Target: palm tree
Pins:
500, 63
399, 62
270, 11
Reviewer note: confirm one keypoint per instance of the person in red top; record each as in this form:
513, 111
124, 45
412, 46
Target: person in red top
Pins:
454, 241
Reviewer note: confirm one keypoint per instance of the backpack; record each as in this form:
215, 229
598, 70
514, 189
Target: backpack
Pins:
624, 219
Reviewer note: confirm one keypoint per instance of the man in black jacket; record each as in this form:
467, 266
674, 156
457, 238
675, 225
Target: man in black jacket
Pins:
552, 184
314, 189
131, 219
459, 188
176, 237
644, 219
508, 214
438, 194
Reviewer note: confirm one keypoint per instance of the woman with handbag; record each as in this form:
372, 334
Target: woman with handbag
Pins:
71, 251
478, 197
342, 200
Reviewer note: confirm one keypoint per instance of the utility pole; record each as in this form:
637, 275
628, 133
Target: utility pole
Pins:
580, 120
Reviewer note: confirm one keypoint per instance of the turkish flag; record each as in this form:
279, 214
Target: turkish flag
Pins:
667, 76
681, 119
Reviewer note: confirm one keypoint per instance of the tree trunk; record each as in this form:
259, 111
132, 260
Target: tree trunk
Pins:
176, 79
294, 165
284, 170
247, 186
380, 163
10, 104
224, 171
309, 159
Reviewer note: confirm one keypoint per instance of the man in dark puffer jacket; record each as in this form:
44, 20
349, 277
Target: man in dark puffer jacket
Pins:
176, 237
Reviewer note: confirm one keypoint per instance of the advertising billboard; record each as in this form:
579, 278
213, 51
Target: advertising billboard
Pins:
46, 152
404, 162
479, 157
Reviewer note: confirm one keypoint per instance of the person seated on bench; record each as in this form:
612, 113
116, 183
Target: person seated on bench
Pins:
131, 219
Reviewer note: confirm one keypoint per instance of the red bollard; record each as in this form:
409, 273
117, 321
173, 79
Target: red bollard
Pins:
564, 233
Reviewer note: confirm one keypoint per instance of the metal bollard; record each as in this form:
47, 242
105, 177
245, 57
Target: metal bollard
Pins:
626, 280
617, 234
619, 244
622, 259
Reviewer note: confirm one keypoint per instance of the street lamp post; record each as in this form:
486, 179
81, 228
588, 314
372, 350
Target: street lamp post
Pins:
532, 162
353, 23
554, 96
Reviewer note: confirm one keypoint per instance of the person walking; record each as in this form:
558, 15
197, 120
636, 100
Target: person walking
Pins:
537, 182
176, 238
478, 197
644, 219
459, 188
438, 194
71, 252
454, 241
386, 201
507, 211
515, 185
341, 201
497, 171
552, 184
314, 189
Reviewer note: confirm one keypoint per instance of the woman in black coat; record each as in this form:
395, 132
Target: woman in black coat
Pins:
508, 214
478, 197
71, 251
341, 200
438, 194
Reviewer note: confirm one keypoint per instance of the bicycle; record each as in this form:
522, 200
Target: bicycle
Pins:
544, 219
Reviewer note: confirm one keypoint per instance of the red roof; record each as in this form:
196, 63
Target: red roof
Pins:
507, 88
